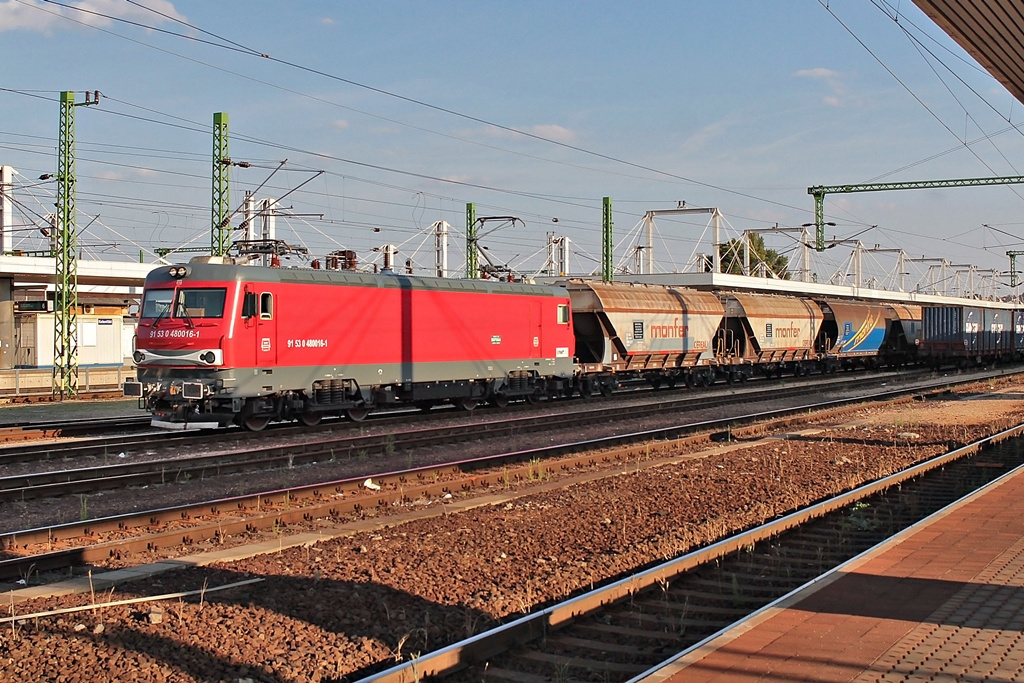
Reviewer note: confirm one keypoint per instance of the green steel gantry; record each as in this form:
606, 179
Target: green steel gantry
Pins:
819, 192
65, 255
1013, 254
220, 218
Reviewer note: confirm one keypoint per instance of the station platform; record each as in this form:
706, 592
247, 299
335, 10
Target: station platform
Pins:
941, 601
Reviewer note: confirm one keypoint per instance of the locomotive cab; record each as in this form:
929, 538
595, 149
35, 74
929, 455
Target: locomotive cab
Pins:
179, 350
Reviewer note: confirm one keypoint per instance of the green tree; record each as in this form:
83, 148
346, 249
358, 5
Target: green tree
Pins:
775, 263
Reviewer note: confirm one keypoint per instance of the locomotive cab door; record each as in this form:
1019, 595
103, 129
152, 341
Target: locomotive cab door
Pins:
266, 330
536, 339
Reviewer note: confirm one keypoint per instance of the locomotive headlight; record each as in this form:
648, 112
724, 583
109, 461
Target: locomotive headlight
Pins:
178, 271
138, 356
209, 357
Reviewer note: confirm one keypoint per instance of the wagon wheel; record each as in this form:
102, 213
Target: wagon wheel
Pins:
256, 423
311, 419
499, 400
357, 414
467, 404
532, 399
606, 390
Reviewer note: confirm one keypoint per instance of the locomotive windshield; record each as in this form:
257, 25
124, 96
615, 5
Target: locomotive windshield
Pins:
199, 303
157, 303
188, 303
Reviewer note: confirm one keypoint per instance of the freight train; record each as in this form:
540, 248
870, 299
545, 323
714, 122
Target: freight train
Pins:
220, 343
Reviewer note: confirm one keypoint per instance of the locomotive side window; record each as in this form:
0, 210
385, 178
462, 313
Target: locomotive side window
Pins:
249, 305
199, 303
266, 306
563, 314
156, 303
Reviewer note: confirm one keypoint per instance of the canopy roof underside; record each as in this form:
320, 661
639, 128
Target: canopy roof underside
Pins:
991, 31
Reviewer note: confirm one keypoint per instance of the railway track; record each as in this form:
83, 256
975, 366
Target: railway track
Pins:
70, 428
248, 452
159, 440
624, 629
61, 546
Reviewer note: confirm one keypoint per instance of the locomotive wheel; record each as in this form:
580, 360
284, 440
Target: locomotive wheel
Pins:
499, 400
357, 414
256, 423
311, 419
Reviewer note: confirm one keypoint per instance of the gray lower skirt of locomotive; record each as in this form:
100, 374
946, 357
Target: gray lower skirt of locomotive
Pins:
336, 388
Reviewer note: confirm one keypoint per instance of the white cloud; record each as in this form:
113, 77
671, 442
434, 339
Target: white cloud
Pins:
327, 21
40, 17
834, 81
549, 131
553, 131
340, 123
705, 135
818, 72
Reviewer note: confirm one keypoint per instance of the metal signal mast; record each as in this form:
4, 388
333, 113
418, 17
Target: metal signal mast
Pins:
220, 217
472, 267
65, 253
819, 192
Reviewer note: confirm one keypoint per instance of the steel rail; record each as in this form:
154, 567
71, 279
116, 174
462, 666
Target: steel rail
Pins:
77, 481
480, 648
104, 446
217, 519
11, 433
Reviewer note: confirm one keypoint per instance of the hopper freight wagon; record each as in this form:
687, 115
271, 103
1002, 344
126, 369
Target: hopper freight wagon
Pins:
772, 334
662, 334
901, 341
966, 335
867, 334
228, 344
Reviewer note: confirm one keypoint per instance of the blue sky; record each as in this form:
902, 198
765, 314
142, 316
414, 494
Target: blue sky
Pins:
740, 105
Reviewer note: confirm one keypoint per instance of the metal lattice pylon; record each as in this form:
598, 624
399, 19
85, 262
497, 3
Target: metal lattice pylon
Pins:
65, 295
472, 267
607, 248
220, 236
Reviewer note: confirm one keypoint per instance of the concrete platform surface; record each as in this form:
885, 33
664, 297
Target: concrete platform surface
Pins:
942, 601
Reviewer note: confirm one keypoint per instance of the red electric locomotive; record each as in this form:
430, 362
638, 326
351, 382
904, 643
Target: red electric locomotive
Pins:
220, 343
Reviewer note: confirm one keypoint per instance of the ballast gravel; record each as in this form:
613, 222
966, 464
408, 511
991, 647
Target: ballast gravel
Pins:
342, 609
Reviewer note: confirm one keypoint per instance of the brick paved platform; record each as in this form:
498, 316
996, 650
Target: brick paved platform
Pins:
942, 601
